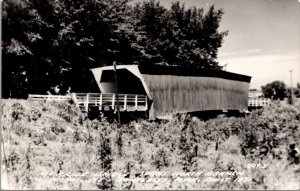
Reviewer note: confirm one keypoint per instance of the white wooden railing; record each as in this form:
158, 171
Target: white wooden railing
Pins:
258, 102
37, 97
104, 101
127, 102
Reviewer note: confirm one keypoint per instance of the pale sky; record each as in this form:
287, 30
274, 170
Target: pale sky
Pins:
263, 40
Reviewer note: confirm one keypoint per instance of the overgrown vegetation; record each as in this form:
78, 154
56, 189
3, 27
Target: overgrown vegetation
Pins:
44, 141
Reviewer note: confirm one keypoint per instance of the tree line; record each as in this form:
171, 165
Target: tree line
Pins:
278, 90
46, 43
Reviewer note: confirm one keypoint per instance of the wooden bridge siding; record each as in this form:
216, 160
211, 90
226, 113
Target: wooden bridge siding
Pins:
179, 94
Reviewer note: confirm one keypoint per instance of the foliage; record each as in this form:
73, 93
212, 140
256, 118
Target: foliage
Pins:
57, 42
296, 91
187, 144
104, 153
60, 40
27, 176
275, 90
179, 36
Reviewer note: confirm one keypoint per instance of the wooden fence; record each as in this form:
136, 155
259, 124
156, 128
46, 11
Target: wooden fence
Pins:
258, 102
104, 101
36, 97
109, 101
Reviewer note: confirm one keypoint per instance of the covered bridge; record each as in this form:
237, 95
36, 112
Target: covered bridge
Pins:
172, 89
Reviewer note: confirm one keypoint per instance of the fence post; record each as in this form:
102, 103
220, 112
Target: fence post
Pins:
87, 103
100, 102
136, 102
146, 104
73, 97
117, 91
125, 102
113, 102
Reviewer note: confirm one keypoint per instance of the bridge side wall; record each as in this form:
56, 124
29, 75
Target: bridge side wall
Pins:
178, 94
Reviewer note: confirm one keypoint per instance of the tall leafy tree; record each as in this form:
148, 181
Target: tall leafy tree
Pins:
178, 36
46, 43
30, 31
14, 47
89, 36
275, 90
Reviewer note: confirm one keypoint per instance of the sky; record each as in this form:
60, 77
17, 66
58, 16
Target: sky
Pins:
263, 40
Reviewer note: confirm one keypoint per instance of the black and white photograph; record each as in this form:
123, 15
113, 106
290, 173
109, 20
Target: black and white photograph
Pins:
150, 94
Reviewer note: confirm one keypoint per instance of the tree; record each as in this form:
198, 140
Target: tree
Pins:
14, 46
296, 91
91, 37
30, 30
179, 36
47, 43
275, 90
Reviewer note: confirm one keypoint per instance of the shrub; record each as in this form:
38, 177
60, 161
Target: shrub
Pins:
18, 111
27, 176
160, 159
104, 153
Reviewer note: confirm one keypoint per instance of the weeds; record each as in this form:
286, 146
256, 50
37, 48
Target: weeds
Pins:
27, 176
104, 153
160, 159
119, 142
270, 135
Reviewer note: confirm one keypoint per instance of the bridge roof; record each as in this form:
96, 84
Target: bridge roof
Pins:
191, 71
177, 71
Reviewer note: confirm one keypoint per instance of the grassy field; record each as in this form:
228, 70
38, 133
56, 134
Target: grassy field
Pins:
55, 146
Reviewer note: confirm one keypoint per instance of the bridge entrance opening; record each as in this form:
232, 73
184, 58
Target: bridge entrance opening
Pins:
128, 83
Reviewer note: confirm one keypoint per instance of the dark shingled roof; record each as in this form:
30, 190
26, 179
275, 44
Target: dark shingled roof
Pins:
190, 71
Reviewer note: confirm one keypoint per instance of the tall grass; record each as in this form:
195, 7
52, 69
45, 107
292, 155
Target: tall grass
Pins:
73, 143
